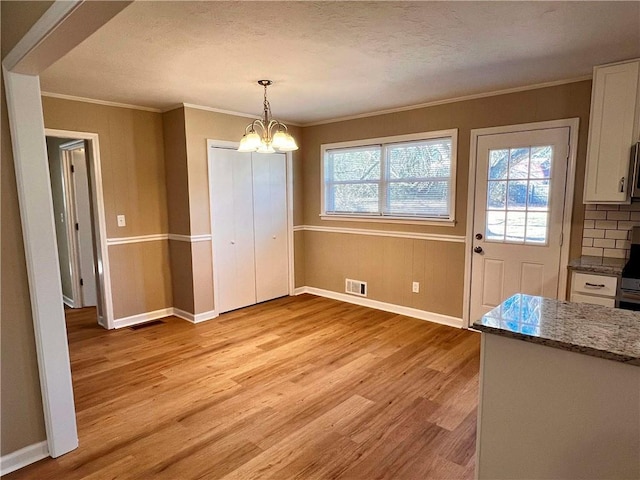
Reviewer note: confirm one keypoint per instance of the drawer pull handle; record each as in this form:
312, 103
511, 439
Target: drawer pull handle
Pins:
594, 285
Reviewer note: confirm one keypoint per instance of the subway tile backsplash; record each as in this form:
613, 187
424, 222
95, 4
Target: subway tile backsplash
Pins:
607, 229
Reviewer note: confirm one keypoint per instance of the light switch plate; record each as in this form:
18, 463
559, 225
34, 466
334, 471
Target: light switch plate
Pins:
121, 221
415, 288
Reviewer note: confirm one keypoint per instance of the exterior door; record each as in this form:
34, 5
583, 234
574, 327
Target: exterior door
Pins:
518, 215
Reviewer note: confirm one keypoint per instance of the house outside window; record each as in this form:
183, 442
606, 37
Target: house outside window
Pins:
407, 179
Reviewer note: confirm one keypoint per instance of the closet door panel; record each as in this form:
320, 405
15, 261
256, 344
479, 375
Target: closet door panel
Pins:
232, 214
270, 226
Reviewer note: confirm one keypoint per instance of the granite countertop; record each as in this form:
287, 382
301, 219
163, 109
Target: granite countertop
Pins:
604, 332
603, 265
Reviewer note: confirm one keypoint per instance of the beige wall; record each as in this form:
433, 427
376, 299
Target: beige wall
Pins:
134, 185
21, 406
329, 258
175, 154
140, 277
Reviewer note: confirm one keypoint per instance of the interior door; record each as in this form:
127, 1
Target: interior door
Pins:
518, 215
84, 230
270, 225
232, 224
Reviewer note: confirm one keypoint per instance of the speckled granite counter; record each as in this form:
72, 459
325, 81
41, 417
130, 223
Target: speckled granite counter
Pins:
602, 265
594, 330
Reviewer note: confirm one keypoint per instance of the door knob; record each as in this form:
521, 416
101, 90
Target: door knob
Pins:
233, 242
478, 236
478, 249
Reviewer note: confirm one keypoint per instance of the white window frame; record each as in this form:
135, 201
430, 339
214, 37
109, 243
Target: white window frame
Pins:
356, 217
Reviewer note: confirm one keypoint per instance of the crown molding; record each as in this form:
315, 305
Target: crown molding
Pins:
330, 120
226, 112
449, 100
99, 102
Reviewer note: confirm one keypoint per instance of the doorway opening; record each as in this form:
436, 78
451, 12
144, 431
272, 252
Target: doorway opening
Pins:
78, 212
70, 191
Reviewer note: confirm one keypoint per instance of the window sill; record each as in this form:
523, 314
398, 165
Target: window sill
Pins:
379, 219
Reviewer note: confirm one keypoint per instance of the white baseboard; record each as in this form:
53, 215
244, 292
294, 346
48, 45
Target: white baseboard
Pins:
387, 307
68, 301
23, 457
142, 318
197, 318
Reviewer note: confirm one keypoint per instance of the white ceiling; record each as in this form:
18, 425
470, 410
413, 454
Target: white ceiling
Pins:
335, 59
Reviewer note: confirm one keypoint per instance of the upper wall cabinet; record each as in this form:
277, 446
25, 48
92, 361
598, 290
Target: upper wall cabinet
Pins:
614, 128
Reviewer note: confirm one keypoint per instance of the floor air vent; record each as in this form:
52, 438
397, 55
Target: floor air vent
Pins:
146, 324
355, 287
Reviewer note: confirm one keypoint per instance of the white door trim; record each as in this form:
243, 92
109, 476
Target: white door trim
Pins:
573, 125
26, 120
212, 143
105, 314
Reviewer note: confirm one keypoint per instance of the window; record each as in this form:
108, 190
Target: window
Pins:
518, 185
404, 178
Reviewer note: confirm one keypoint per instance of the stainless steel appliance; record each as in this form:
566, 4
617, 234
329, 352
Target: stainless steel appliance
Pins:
628, 296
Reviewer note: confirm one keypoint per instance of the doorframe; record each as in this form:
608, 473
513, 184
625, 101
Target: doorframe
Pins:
573, 124
212, 143
105, 303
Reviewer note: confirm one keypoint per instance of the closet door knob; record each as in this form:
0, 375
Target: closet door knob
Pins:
274, 237
233, 242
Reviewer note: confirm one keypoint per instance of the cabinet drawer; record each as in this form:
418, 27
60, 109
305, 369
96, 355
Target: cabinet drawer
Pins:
594, 284
579, 298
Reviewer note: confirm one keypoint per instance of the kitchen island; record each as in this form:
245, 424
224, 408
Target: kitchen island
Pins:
559, 391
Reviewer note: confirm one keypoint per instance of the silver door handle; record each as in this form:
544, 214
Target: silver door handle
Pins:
622, 185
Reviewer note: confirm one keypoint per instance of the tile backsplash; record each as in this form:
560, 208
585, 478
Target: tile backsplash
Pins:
607, 229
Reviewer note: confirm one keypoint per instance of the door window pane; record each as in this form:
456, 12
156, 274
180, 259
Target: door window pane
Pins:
538, 195
497, 195
518, 189
495, 226
498, 164
517, 199
537, 227
515, 226
519, 163
541, 162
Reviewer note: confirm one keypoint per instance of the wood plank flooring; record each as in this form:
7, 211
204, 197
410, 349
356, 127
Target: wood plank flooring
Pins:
297, 388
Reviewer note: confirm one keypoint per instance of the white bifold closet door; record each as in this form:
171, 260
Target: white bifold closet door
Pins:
249, 221
270, 225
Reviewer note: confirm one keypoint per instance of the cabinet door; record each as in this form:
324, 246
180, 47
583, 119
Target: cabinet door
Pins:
232, 225
614, 102
270, 225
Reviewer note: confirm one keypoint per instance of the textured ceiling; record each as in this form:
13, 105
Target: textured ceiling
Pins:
334, 59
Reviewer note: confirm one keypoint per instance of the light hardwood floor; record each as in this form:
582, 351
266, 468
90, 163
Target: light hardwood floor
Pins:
301, 387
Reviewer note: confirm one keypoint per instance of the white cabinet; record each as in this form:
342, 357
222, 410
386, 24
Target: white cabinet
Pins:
613, 129
249, 227
593, 288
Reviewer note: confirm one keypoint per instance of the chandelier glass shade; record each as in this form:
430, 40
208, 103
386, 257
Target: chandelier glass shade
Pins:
267, 135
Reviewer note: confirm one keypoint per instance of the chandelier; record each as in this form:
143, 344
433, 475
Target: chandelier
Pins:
266, 135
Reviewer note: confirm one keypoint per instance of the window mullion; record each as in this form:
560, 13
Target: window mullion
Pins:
383, 195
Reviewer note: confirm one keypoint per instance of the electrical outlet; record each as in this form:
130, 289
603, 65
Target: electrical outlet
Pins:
121, 221
416, 287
